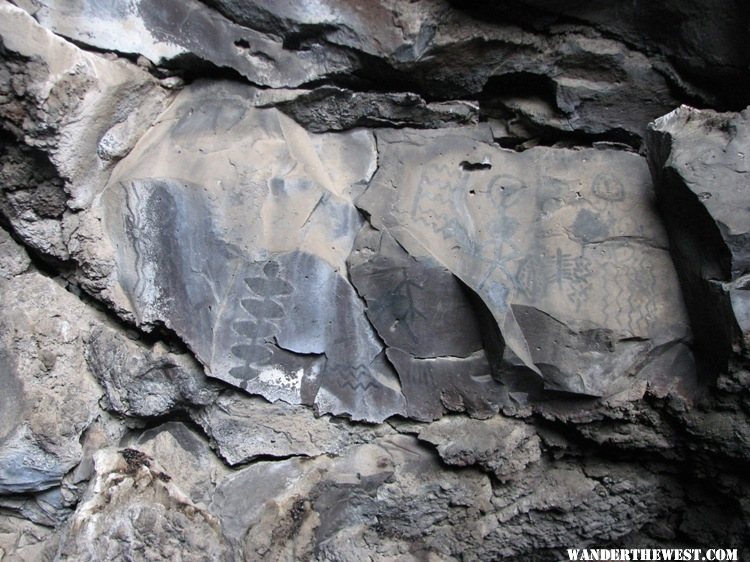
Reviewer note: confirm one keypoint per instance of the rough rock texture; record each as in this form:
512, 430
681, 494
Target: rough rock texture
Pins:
703, 188
49, 396
372, 280
707, 40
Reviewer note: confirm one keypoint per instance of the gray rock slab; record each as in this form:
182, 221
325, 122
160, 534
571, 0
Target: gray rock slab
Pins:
243, 428
564, 247
577, 81
426, 319
344, 506
242, 498
140, 381
434, 386
709, 43
48, 508
167, 31
416, 305
699, 159
49, 396
335, 109
384, 28
227, 251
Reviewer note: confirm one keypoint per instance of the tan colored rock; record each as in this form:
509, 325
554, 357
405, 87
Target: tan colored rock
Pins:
133, 506
24, 541
186, 456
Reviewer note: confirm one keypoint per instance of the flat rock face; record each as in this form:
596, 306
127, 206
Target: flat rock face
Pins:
557, 244
700, 163
254, 238
544, 280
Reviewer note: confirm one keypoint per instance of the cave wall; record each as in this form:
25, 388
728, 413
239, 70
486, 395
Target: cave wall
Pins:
372, 280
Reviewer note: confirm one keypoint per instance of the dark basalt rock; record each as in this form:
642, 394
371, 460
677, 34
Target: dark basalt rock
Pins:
372, 279
707, 40
574, 81
698, 159
429, 326
336, 109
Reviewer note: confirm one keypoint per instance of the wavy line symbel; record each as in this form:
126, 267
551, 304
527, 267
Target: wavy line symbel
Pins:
353, 377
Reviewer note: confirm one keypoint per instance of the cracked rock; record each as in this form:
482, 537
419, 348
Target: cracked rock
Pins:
66, 102
246, 311
572, 81
336, 109
372, 279
426, 319
169, 32
26, 541
707, 39
132, 504
185, 457
502, 446
244, 428
557, 244
699, 160
49, 396
13, 258
141, 382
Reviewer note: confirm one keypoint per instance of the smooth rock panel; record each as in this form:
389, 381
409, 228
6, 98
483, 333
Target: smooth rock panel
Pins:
231, 226
564, 248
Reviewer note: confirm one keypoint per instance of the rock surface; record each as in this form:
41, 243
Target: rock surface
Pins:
548, 240
49, 396
699, 162
372, 280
